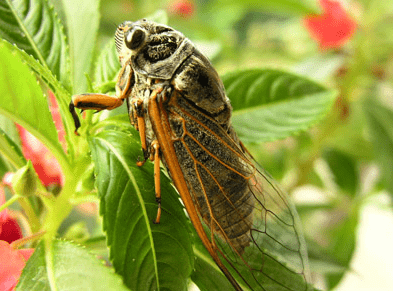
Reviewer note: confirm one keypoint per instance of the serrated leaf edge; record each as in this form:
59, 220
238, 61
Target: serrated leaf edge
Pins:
140, 198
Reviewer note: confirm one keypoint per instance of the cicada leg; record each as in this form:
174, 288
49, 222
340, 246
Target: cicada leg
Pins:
157, 179
153, 153
141, 127
99, 102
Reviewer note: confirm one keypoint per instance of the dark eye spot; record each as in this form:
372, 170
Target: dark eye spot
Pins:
135, 38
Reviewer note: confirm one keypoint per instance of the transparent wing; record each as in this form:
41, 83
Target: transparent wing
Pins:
276, 257
252, 225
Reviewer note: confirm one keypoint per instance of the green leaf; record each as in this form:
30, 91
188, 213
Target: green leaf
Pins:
23, 102
62, 95
108, 65
206, 275
82, 23
73, 268
380, 120
344, 170
342, 244
322, 262
149, 256
35, 28
11, 151
270, 104
10, 129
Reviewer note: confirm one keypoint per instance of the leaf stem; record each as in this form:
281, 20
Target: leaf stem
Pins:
22, 241
57, 212
9, 202
49, 264
34, 222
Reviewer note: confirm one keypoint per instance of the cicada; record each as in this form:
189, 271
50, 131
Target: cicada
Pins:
178, 104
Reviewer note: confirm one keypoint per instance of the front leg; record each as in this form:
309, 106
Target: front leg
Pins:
138, 108
96, 101
153, 150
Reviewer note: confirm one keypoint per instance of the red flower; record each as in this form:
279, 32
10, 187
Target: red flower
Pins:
9, 227
12, 263
182, 8
54, 110
333, 28
45, 164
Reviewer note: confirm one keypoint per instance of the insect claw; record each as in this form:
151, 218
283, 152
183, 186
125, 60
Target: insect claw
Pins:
146, 154
158, 218
140, 163
75, 117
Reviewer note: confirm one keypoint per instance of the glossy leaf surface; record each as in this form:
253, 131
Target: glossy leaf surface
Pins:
108, 65
72, 268
344, 170
34, 27
149, 256
10, 150
270, 104
82, 35
23, 101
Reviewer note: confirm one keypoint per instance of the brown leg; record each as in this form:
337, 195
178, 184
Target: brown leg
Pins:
157, 184
98, 102
142, 135
92, 101
141, 127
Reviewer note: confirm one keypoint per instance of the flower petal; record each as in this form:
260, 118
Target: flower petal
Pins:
9, 227
333, 28
182, 8
12, 264
44, 163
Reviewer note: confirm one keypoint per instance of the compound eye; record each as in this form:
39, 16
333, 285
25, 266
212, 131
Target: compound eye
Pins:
135, 38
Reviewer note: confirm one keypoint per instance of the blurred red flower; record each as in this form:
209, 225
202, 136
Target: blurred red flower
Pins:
333, 28
45, 164
12, 263
182, 8
9, 227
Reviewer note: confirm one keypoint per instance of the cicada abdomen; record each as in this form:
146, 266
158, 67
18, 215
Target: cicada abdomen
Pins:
178, 103
217, 174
